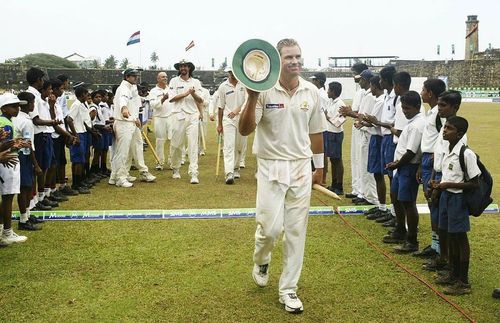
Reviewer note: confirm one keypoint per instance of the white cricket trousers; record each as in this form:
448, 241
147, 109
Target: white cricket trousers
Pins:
163, 132
128, 145
244, 141
203, 129
232, 144
355, 174
181, 129
283, 198
368, 184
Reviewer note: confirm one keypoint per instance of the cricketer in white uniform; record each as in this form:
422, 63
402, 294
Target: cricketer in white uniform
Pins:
289, 131
162, 111
231, 99
128, 139
186, 94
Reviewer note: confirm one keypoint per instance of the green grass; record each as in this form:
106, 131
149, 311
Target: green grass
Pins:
199, 270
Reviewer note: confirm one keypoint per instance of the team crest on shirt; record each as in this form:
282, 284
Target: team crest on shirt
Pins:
450, 166
304, 106
275, 106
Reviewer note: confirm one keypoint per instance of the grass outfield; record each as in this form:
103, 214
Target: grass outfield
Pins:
199, 270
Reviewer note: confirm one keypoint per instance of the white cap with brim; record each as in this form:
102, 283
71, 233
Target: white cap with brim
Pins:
9, 98
257, 65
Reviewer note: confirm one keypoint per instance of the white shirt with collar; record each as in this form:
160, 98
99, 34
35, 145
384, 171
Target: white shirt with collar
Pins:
334, 120
24, 127
231, 97
284, 123
323, 98
452, 170
63, 104
44, 114
106, 111
356, 100
59, 116
187, 104
160, 110
430, 135
126, 95
367, 103
388, 111
376, 111
441, 148
411, 138
33, 114
80, 115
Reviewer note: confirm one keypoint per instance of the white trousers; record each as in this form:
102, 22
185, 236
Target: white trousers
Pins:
368, 184
128, 145
283, 199
356, 178
203, 128
232, 144
182, 129
163, 132
244, 141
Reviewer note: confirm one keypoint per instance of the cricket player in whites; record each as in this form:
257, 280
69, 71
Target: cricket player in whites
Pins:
231, 100
162, 110
289, 133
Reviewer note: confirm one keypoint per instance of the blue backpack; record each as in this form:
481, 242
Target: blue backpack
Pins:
478, 199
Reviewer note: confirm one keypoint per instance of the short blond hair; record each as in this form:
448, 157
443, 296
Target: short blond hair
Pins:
287, 42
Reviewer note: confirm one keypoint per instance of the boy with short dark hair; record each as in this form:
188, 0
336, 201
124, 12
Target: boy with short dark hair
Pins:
431, 90
404, 187
27, 163
453, 215
9, 175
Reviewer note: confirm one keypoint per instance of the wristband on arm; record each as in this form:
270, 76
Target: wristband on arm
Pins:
319, 160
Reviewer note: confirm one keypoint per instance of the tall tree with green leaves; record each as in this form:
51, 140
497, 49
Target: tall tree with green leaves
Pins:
124, 63
95, 64
110, 62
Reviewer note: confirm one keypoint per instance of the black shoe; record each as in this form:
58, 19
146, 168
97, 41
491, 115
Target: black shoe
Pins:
83, 190
377, 215
406, 247
390, 223
50, 203
350, 196
387, 217
496, 293
357, 199
427, 252
60, 195
338, 191
87, 183
35, 220
395, 237
28, 226
363, 202
55, 198
68, 191
435, 265
371, 211
42, 207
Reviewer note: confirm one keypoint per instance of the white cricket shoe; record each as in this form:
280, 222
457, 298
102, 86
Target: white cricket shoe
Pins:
124, 183
112, 181
260, 274
242, 164
9, 237
229, 178
159, 167
292, 303
237, 173
147, 177
194, 180
131, 179
176, 174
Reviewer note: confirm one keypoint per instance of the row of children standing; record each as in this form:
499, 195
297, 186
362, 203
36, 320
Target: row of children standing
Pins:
394, 136
39, 122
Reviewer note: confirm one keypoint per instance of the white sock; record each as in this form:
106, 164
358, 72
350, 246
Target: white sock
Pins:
40, 195
47, 191
32, 204
382, 207
23, 218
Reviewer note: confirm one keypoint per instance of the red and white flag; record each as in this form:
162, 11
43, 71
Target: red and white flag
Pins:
191, 45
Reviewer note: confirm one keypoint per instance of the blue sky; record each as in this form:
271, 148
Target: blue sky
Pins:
408, 29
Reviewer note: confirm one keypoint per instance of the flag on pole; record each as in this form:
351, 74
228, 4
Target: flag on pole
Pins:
135, 38
191, 45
